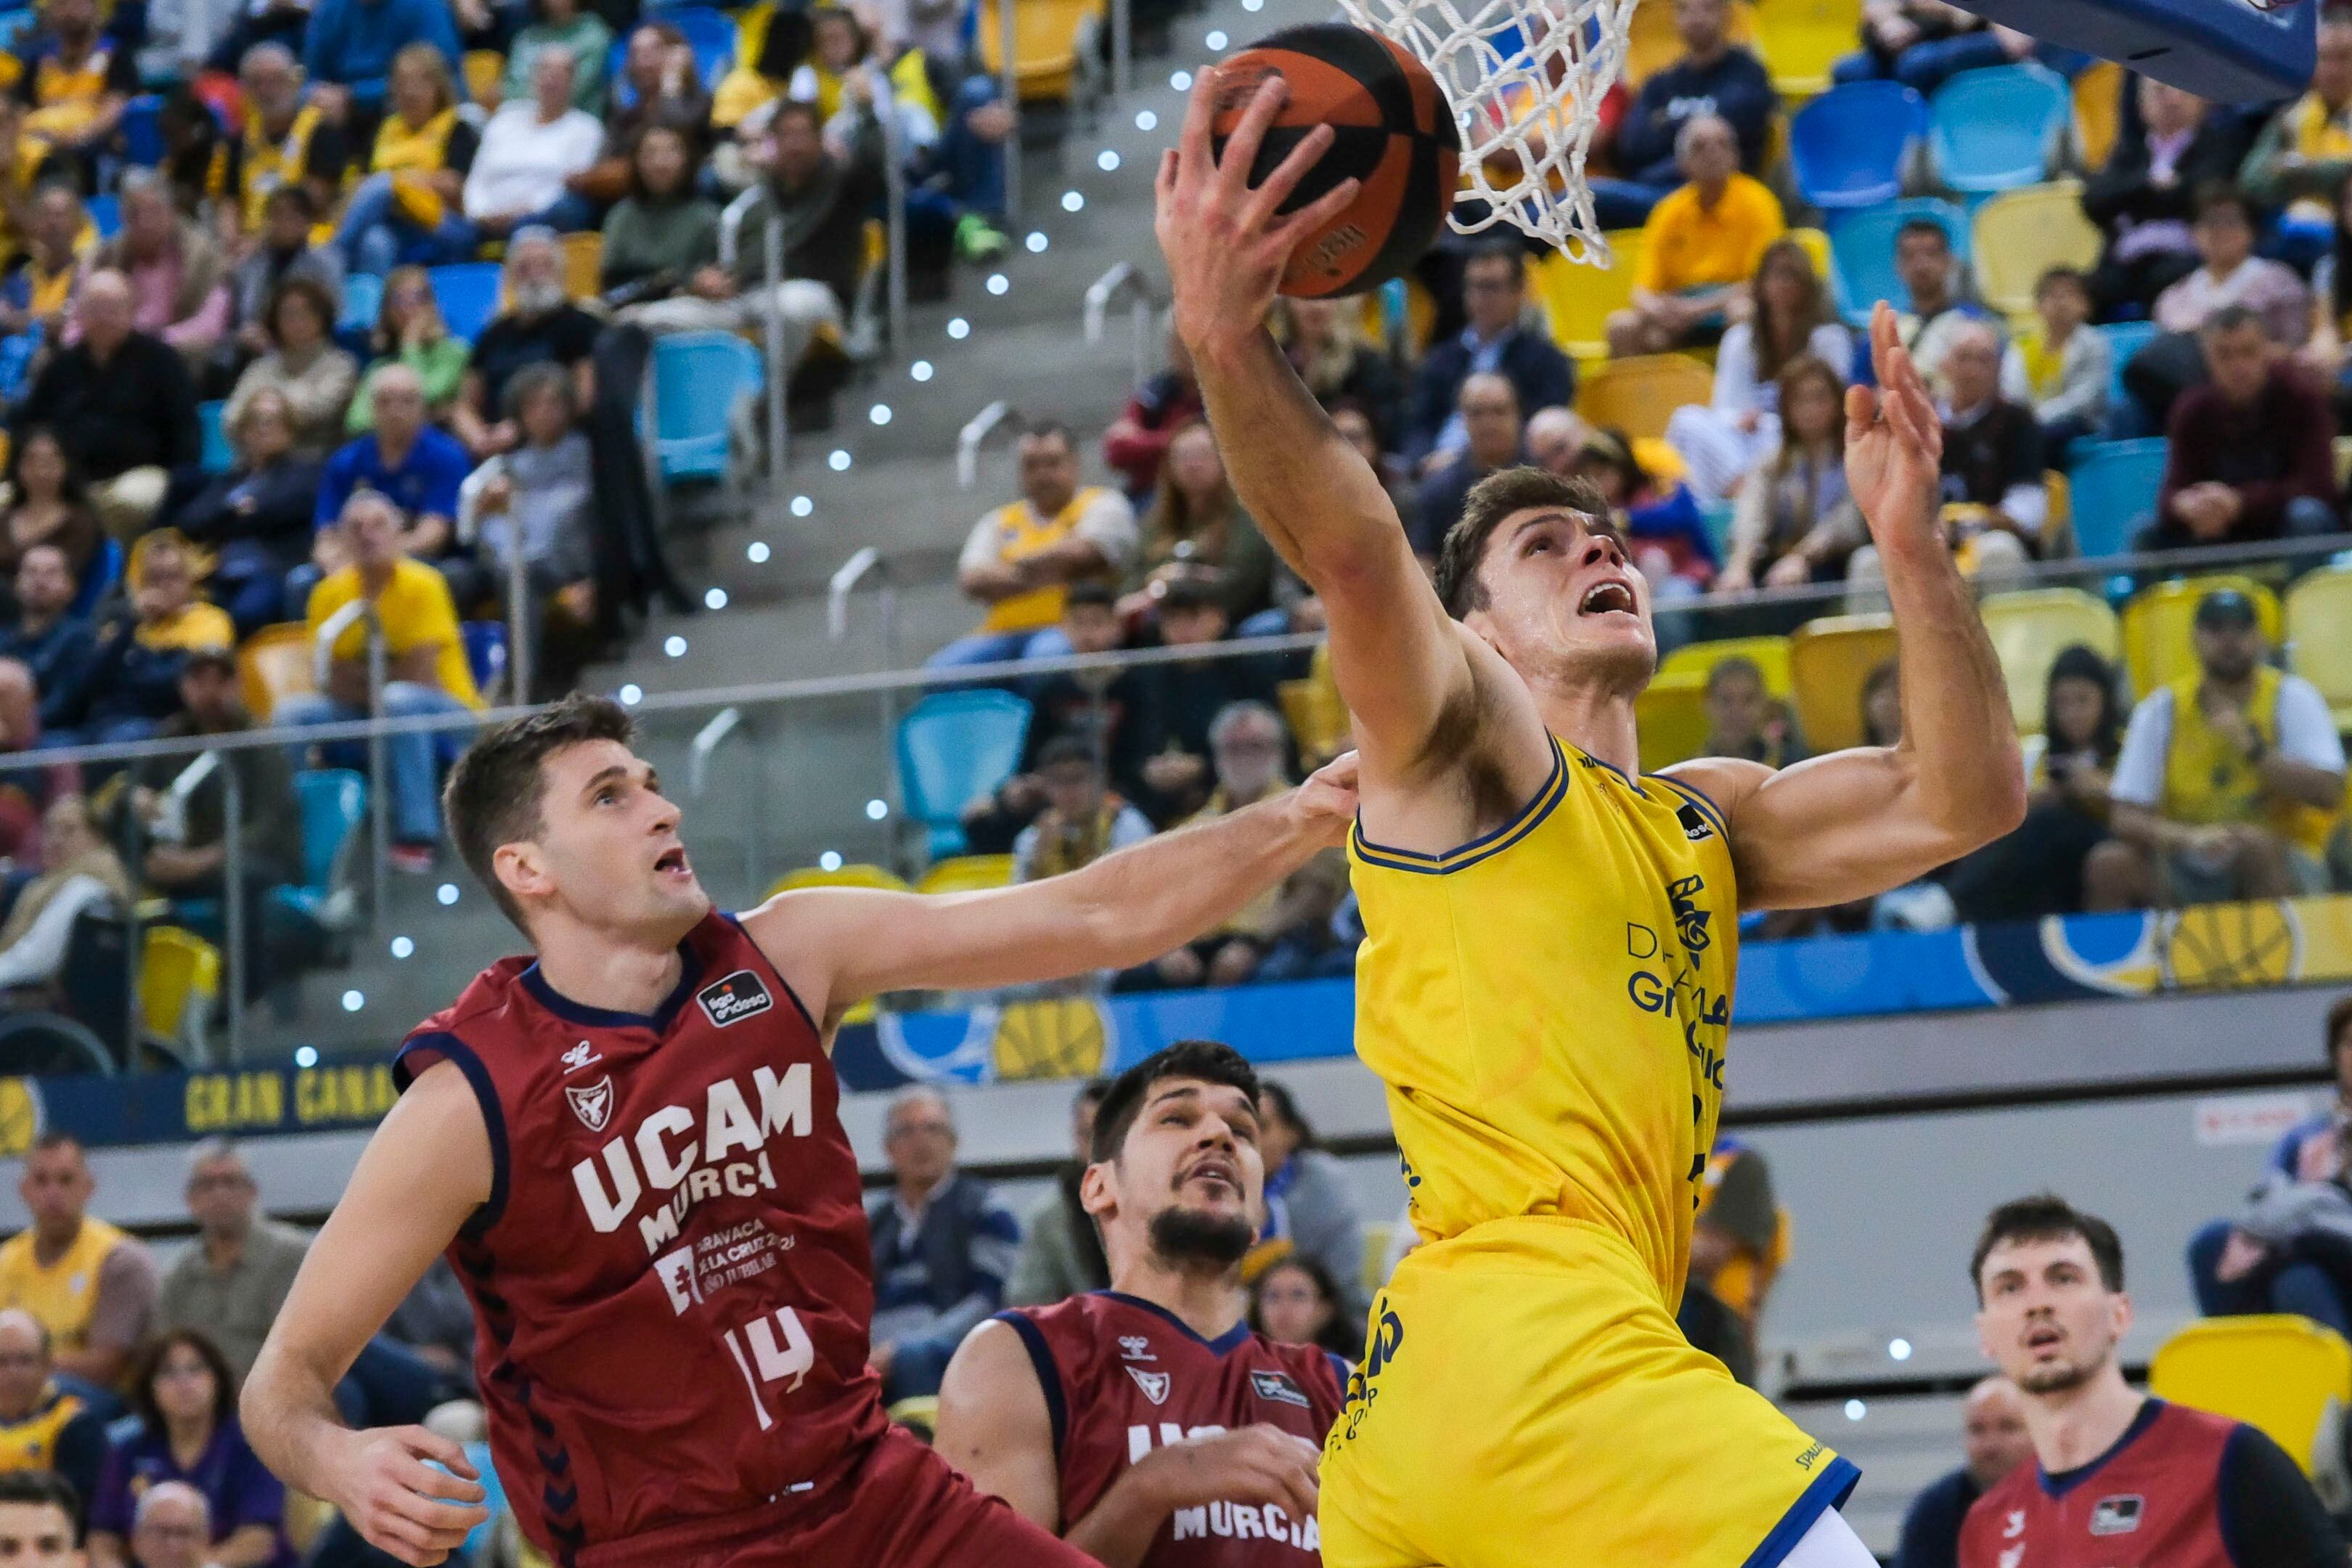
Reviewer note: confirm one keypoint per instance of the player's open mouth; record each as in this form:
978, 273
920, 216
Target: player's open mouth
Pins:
672, 863
2044, 1339
1214, 1170
1612, 597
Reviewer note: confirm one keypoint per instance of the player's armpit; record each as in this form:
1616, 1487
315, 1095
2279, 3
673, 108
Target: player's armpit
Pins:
994, 1424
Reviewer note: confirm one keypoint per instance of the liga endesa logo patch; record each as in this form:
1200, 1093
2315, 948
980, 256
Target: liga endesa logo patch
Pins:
738, 996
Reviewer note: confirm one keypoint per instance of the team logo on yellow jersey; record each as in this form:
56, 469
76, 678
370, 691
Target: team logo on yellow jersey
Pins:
1690, 920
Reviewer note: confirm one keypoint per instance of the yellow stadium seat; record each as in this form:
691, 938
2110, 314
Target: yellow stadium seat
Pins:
179, 978
1816, 244
1829, 660
967, 874
858, 874
1769, 655
1671, 714
1318, 720
2018, 235
1045, 44
2098, 111
2275, 1373
274, 662
1652, 44
1800, 39
1577, 300
2319, 637
2031, 627
584, 265
1638, 394
484, 67
2159, 649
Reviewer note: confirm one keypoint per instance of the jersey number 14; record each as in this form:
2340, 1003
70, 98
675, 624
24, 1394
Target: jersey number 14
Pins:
779, 1350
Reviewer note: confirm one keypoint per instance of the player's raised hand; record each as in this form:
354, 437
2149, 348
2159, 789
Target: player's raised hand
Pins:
399, 1502
1258, 1464
1893, 445
1326, 801
1225, 245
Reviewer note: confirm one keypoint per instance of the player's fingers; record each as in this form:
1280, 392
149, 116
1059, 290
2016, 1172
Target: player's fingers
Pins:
1163, 183
1193, 140
403, 1539
434, 1516
423, 1480
1269, 193
1241, 148
1307, 219
1861, 412
427, 1444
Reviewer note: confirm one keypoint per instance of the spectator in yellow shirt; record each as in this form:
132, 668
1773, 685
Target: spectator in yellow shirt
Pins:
1700, 247
425, 670
89, 1285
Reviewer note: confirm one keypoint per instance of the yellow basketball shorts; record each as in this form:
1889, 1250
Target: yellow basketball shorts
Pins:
1526, 1400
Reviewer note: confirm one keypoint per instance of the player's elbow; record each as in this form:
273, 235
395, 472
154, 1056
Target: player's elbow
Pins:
1982, 803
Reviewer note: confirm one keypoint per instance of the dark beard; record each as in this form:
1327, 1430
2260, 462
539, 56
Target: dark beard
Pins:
1187, 1235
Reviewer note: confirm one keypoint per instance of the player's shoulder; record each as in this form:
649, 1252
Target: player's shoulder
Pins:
485, 1007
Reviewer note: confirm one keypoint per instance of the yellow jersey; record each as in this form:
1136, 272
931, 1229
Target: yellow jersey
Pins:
1021, 533
415, 612
63, 1294
31, 1443
2208, 780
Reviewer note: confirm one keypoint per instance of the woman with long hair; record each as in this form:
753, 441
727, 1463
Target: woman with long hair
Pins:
2037, 869
662, 237
185, 1395
257, 517
1297, 1302
1196, 526
48, 504
1325, 341
409, 331
1661, 523
303, 365
1792, 317
1795, 521
410, 206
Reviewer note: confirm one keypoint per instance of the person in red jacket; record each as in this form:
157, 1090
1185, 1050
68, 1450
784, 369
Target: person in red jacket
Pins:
1139, 438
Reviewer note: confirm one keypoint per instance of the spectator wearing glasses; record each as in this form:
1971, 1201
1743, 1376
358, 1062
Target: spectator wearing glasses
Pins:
943, 1244
1496, 340
1700, 247
409, 331
171, 1527
231, 1283
43, 1427
1021, 559
185, 1395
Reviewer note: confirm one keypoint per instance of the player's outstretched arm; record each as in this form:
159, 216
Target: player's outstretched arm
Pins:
1855, 823
423, 1172
1399, 662
840, 945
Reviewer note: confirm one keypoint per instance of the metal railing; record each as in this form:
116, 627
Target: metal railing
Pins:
975, 434
1125, 279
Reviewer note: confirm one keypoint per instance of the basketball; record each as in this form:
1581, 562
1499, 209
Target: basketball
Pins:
1390, 128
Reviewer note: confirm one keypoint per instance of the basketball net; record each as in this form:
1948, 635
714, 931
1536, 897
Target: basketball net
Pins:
1526, 78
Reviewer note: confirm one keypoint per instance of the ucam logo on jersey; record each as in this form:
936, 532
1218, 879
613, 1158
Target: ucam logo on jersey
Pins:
592, 1102
740, 995
1278, 1387
2116, 1515
1154, 1383
669, 1158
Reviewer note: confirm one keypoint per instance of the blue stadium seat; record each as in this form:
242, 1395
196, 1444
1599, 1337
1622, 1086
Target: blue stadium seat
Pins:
1862, 251
1998, 129
696, 378
712, 33
2113, 489
105, 572
2124, 339
219, 457
105, 215
363, 303
333, 802
142, 131
954, 747
467, 293
486, 651
1846, 148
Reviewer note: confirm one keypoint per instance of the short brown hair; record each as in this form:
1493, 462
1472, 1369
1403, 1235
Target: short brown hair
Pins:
2339, 1029
2046, 1217
1490, 500
495, 789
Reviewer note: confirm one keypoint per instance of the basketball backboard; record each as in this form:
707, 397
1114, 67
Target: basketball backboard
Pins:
2232, 51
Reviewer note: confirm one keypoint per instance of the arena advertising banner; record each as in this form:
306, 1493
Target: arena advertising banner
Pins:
1051, 1035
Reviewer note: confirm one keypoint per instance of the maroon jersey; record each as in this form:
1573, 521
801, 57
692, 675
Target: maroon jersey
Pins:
1122, 1376
2153, 1501
671, 1279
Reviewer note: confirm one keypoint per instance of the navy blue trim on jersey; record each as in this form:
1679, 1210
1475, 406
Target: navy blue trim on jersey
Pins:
1699, 799
1049, 1376
2225, 1514
1233, 1339
1629, 780
1830, 1490
689, 973
1554, 791
1340, 1369
449, 1048
2064, 1481
781, 983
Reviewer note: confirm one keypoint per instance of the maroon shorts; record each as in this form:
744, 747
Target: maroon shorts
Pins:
902, 1506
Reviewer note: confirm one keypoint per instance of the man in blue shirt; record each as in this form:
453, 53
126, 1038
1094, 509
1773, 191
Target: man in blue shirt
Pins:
419, 467
943, 1244
347, 52
47, 657
1494, 299
1713, 76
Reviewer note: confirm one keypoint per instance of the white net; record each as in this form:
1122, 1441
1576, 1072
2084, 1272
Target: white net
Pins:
1526, 78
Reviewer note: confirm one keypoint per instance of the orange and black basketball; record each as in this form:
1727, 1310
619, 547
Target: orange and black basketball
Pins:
1390, 128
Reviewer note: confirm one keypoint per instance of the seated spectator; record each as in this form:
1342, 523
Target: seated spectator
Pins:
122, 401
37, 298
170, 1527
1790, 314
409, 207
1993, 1435
1177, 702
1324, 341
303, 367
21, 163
231, 1282
426, 668
80, 873
1663, 530
1794, 521
957, 178
2037, 869
575, 29
134, 677
1095, 706
286, 141
539, 324
185, 1395
1494, 297
2305, 152
1196, 525
2230, 273
662, 238
1714, 77
2058, 366
256, 519
1310, 1207
409, 331
540, 499
1923, 44
281, 253
2290, 1247
1737, 1242
1493, 440
531, 166
2142, 200
772, 43
47, 659
1699, 246
1297, 1302
74, 83
2324, 354
418, 468
42, 1426
1930, 274
1743, 719
1138, 439
179, 281
1020, 558
660, 85
48, 503
352, 51
2229, 782
1061, 1252
41, 1520
91, 1285
1082, 820
2250, 453
942, 1247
